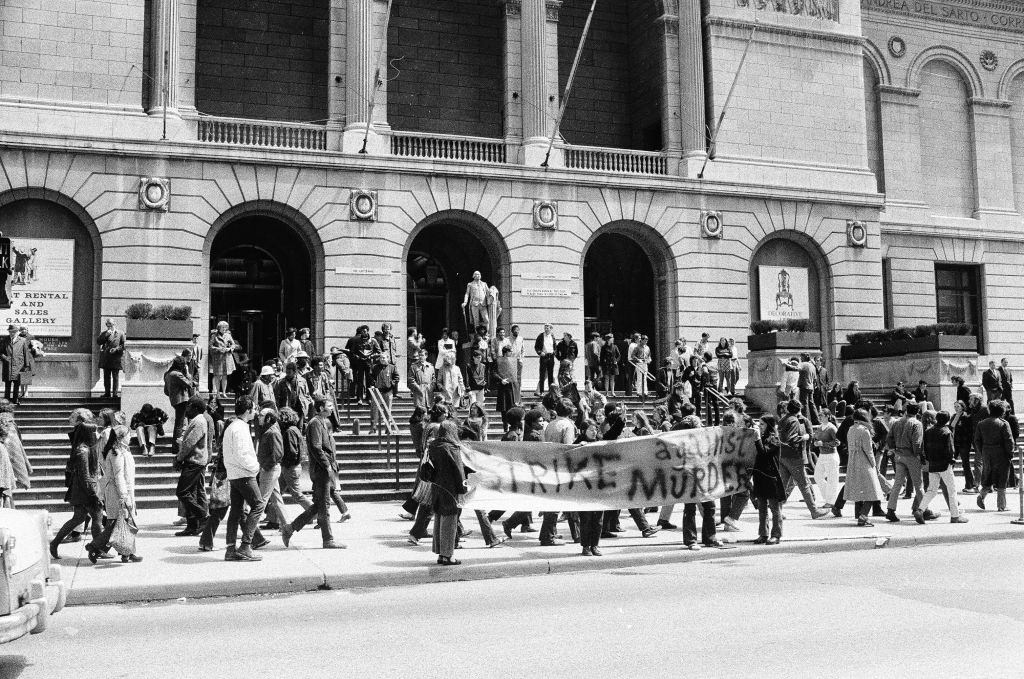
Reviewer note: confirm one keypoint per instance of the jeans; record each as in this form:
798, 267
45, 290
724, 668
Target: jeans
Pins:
732, 506
792, 471
423, 516
191, 492
271, 494
179, 424
707, 529
516, 520
666, 513
933, 490
826, 475
762, 517
807, 405
590, 529
289, 484
486, 529
320, 508
908, 470
965, 460
93, 511
244, 491
548, 527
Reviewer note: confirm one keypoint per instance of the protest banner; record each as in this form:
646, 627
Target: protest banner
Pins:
692, 465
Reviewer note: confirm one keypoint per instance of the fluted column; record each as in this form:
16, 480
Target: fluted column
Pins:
163, 84
535, 96
691, 87
336, 73
364, 29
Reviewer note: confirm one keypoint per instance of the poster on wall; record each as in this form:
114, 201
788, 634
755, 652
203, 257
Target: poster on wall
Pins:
784, 293
41, 277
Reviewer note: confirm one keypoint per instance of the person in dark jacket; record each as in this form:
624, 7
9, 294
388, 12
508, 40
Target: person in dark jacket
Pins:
993, 442
148, 424
793, 436
962, 392
1006, 384
768, 491
567, 350
178, 389
992, 382
323, 471
963, 438
17, 361
940, 453
852, 393
449, 479
191, 459
610, 359
269, 454
111, 343
82, 475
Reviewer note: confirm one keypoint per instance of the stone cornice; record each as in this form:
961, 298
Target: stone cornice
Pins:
339, 162
794, 31
979, 102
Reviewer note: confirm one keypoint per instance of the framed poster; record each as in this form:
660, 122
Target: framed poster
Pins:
42, 278
784, 293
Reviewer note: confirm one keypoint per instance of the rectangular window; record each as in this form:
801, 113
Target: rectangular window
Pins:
958, 296
887, 292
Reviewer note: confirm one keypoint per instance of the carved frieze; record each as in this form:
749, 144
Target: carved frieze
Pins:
827, 10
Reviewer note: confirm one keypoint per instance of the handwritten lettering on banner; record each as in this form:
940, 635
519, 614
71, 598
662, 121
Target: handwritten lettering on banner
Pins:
681, 466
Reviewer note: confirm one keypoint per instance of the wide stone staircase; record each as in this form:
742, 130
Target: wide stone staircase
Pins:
368, 466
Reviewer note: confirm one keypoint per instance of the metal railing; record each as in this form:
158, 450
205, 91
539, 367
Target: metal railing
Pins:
615, 160
262, 133
447, 147
387, 429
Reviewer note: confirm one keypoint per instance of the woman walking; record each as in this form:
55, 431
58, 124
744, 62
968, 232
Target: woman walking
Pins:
82, 476
862, 485
449, 479
768, 491
117, 488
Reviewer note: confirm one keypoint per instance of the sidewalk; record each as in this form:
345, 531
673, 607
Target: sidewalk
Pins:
378, 554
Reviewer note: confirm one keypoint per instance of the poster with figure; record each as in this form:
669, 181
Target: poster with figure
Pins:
42, 278
784, 293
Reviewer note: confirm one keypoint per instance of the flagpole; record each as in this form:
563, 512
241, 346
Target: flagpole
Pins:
568, 83
725, 106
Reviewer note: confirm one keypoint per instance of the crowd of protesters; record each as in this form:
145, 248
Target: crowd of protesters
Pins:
241, 467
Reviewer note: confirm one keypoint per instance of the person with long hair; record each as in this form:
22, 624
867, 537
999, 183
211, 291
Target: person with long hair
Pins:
724, 355
82, 477
449, 480
963, 439
477, 420
118, 469
768, 490
641, 424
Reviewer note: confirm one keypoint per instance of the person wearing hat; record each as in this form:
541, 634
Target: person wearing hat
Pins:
610, 359
263, 388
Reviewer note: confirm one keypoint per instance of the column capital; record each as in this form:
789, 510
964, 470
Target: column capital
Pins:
552, 9
513, 8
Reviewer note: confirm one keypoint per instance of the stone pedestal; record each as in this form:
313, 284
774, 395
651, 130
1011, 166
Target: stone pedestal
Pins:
936, 368
145, 362
766, 371
63, 373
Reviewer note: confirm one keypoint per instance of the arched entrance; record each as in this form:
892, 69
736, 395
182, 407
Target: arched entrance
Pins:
797, 255
442, 255
261, 282
628, 286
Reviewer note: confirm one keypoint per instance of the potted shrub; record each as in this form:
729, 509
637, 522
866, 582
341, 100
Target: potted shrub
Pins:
909, 340
163, 322
771, 335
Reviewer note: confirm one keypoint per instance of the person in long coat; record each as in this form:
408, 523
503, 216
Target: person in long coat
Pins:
20, 464
449, 479
111, 343
222, 358
82, 475
862, 485
117, 467
993, 443
17, 361
768, 491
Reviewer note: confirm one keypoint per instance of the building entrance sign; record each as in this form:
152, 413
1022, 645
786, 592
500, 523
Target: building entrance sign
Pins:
784, 292
41, 276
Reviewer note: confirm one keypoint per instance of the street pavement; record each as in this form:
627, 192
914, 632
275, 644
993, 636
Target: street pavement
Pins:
378, 554
936, 611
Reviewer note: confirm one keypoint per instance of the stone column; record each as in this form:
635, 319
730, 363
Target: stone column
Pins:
336, 73
163, 85
360, 64
901, 151
693, 125
668, 34
513, 79
993, 163
537, 109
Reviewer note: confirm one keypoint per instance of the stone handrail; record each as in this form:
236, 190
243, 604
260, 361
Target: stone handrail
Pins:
262, 133
615, 160
447, 147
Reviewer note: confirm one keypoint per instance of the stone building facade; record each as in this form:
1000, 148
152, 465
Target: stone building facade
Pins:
878, 145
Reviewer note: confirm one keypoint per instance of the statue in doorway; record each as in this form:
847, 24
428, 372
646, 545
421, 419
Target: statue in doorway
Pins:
475, 303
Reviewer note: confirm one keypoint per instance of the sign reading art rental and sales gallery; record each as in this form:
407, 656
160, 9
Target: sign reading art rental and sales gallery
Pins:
41, 276
784, 292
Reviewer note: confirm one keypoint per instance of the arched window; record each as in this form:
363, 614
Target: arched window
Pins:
947, 141
873, 118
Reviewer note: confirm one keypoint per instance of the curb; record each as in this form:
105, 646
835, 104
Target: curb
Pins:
257, 584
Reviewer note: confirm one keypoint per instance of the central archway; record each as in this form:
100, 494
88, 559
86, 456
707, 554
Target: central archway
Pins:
629, 285
442, 253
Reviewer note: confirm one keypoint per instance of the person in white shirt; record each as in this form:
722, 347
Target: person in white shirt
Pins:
289, 346
518, 352
242, 467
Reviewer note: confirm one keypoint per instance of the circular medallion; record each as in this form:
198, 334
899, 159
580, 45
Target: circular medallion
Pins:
897, 46
989, 60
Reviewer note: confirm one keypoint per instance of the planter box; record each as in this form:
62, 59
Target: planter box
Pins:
148, 328
917, 345
771, 341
